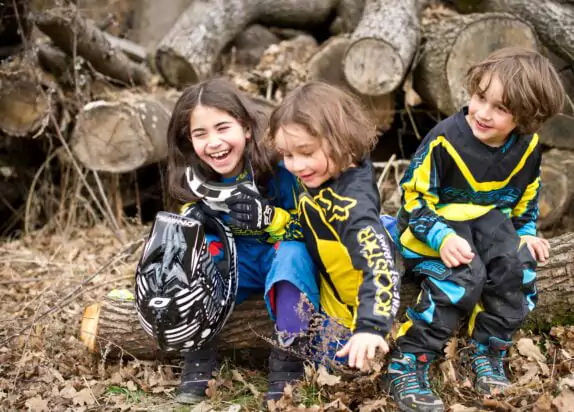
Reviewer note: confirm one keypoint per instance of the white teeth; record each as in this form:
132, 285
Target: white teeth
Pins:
219, 155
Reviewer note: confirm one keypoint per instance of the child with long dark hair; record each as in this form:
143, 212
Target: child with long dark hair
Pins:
214, 145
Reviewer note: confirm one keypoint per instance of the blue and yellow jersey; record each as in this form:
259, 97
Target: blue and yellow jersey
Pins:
454, 176
345, 236
282, 192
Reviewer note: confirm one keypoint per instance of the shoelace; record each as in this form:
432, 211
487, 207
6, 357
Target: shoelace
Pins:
415, 381
488, 365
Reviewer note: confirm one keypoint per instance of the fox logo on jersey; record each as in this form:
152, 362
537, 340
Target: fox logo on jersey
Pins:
334, 206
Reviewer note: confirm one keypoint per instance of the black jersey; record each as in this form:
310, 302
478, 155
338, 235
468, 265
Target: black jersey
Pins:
454, 176
344, 234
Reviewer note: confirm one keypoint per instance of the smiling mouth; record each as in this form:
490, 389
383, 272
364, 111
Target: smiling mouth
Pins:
481, 125
307, 176
220, 155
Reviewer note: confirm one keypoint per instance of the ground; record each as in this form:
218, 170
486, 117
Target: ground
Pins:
46, 281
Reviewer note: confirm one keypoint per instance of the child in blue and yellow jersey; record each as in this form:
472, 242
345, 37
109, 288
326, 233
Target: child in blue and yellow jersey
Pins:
467, 225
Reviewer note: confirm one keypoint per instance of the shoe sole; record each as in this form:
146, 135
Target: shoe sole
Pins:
189, 399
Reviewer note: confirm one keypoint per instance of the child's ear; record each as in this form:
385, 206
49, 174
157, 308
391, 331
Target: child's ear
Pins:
247, 133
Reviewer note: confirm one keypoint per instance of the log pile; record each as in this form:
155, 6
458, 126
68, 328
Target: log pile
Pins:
86, 99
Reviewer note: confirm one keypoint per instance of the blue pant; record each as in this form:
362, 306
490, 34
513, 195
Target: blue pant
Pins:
262, 265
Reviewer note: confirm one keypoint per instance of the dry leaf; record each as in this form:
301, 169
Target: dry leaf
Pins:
564, 402
202, 407
211, 390
447, 369
532, 369
451, 348
457, 407
336, 406
543, 404
68, 392
84, 397
37, 404
325, 378
373, 406
526, 347
233, 408
131, 386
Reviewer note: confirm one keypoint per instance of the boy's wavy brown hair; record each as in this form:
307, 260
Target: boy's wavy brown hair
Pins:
327, 112
532, 88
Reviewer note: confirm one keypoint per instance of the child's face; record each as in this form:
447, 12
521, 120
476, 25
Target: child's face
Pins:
490, 121
304, 155
218, 139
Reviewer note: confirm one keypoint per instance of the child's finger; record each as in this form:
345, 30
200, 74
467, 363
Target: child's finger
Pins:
384, 346
371, 350
344, 351
359, 356
532, 251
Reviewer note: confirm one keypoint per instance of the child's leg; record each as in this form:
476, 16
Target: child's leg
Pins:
446, 295
291, 294
508, 296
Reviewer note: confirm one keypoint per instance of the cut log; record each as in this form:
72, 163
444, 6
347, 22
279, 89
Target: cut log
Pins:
152, 19
349, 13
127, 130
557, 177
384, 43
75, 35
324, 66
188, 52
123, 133
451, 47
25, 106
112, 327
110, 321
553, 20
249, 45
15, 28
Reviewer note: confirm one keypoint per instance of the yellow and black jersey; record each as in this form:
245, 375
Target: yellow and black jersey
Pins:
454, 176
344, 234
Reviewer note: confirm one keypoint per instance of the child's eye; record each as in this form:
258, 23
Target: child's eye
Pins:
223, 128
502, 109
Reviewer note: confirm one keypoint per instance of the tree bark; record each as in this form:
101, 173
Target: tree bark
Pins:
557, 177
349, 13
123, 133
384, 43
127, 130
451, 47
15, 27
112, 327
324, 66
75, 35
553, 20
25, 106
249, 45
188, 52
117, 322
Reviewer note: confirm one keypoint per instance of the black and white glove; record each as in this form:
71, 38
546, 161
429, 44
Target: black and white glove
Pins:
249, 210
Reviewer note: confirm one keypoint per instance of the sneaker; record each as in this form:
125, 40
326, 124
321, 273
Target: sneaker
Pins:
198, 369
409, 383
487, 363
284, 367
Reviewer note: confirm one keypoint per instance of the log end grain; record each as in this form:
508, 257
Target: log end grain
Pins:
372, 67
89, 326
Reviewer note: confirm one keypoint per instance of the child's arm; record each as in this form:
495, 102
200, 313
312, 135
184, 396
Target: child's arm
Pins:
525, 213
420, 186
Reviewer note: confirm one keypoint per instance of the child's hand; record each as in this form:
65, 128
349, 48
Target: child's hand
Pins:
456, 251
539, 247
248, 210
361, 346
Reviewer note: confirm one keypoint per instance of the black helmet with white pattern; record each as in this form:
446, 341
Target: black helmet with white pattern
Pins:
183, 298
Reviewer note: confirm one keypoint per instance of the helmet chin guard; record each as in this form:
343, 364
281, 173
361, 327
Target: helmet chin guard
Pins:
214, 193
183, 298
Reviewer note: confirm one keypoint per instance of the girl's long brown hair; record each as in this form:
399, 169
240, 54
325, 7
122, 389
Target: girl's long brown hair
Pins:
222, 95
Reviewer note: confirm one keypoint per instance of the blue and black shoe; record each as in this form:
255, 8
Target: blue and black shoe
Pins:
409, 383
487, 362
198, 368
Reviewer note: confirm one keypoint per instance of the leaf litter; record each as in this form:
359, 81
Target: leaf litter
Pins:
45, 367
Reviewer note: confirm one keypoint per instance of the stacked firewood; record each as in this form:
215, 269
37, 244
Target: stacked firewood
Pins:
72, 82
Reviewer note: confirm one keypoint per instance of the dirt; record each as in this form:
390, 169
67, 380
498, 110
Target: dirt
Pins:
47, 281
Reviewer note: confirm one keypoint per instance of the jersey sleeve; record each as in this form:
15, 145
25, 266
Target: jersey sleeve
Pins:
420, 186
372, 254
525, 213
284, 190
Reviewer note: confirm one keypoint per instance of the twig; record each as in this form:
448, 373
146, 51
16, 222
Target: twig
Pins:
107, 205
32, 190
385, 172
90, 388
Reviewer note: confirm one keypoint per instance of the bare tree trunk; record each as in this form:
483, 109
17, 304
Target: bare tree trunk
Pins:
553, 20
325, 66
384, 43
557, 186
75, 35
188, 52
451, 47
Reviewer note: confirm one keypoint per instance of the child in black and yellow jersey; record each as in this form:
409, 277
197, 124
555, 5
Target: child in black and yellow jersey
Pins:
325, 140
467, 225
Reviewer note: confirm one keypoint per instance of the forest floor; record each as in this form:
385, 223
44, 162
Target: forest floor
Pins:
47, 281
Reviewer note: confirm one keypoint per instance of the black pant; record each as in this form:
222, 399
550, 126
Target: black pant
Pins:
497, 288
